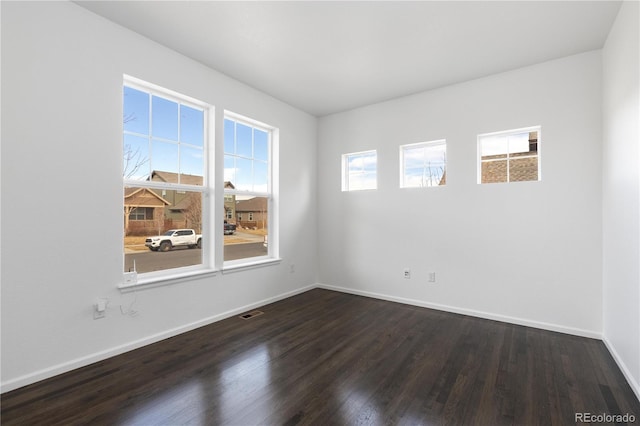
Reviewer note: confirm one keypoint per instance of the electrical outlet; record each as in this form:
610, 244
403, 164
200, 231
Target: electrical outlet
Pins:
98, 314
407, 273
292, 268
100, 309
432, 277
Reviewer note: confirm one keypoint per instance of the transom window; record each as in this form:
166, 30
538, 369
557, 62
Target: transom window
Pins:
423, 164
359, 171
509, 156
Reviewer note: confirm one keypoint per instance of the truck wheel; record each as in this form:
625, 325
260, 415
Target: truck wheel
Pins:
165, 246
199, 245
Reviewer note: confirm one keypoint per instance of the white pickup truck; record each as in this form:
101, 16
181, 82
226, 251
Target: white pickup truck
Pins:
174, 238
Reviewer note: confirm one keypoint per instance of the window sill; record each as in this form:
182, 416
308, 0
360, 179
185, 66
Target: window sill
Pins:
231, 268
170, 279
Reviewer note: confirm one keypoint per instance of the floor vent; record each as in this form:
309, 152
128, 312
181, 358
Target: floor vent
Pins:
251, 314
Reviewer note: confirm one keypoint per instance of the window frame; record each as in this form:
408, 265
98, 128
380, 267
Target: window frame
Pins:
346, 187
508, 158
207, 264
426, 145
271, 194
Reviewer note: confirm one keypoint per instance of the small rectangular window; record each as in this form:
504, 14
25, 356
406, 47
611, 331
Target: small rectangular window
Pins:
423, 164
509, 156
359, 171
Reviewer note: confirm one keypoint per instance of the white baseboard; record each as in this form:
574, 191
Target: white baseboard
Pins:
46, 373
470, 312
102, 355
635, 386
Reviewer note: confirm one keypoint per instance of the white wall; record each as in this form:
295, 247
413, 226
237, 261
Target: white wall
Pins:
621, 192
62, 69
526, 252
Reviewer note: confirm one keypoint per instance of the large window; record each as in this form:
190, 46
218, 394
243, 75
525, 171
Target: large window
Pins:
509, 156
423, 164
359, 171
165, 146
249, 200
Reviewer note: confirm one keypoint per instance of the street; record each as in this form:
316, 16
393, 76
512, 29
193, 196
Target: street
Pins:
148, 261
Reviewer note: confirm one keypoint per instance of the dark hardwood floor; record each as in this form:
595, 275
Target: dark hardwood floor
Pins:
327, 358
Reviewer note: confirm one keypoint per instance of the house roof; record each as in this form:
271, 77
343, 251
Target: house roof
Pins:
255, 204
185, 203
170, 177
143, 197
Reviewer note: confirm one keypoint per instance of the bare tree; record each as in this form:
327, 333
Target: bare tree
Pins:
133, 160
193, 211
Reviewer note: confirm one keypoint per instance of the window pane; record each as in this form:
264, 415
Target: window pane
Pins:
155, 214
414, 157
164, 156
250, 238
370, 162
414, 178
244, 175
491, 146
260, 176
366, 180
164, 118
230, 169
523, 169
229, 136
191, 126
135, 111
244, 140
424, 164
510, 156
519, 143
260, 145
191, 162
494, 171
360, 171
135, 157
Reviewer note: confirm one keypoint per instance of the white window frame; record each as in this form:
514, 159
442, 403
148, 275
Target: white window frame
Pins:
271, 195
538, 154
346, 187
208, 236
426, 146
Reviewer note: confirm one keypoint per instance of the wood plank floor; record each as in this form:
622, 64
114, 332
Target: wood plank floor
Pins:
327, 358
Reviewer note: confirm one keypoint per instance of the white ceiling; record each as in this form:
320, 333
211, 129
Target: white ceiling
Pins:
326, 57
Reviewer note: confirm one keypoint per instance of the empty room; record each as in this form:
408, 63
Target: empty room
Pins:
320, 213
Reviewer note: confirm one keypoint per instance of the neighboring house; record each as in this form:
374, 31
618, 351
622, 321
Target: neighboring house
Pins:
522, 166
143, 211
179, 199
229, 204
179, 209
252, 213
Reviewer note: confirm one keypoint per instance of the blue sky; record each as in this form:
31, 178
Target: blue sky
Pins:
362, 170
423, 164
171, 138
168, 136
246, 153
